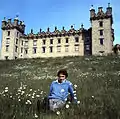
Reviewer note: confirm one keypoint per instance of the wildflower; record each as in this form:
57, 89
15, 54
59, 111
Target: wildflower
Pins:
11, 96
33, 97
78, 102
69, 102
75, 86
92, 96
28, 102
30, 89
36, 116
29, 94
74, 91
67, 106
6, 88
75, 98
41, 92
6, 91
58, 112
38, 96
19, 100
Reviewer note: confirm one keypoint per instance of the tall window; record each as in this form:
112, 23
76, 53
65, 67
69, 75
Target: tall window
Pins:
76, 48
76, 39
16, 48
8, 33
34, 42
51, 49
21, 50
66, 40
43, 49
7, 40
66, 48
7, 48
101, 23
101, 32
26, 51
44, 42
22, 42
58, 48
26, 43
17, 34
51, 41
101, 41
16, 41
34, 50
59, 40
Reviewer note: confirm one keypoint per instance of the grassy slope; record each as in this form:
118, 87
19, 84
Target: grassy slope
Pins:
98, 80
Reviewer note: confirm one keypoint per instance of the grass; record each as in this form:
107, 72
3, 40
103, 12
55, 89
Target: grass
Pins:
23, 82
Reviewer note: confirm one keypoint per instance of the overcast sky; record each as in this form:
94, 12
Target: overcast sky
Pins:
50, 13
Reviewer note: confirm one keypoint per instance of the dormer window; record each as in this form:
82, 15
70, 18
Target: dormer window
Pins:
101, 23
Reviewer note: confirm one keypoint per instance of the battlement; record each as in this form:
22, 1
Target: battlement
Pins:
55, 33
101, 14
9, 24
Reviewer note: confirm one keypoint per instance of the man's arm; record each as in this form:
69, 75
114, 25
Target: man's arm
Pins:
72, 93
51, 88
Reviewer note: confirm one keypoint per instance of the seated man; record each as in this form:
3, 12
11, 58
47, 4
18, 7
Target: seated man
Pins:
59, 91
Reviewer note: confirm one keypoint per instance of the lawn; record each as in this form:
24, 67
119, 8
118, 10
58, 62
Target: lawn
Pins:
24, 82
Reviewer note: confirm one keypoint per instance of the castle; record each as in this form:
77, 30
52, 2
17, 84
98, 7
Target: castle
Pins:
97, 40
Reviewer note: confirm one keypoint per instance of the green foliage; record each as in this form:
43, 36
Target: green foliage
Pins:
24, 82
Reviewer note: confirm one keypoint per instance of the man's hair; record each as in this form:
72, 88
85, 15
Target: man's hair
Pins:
62, 71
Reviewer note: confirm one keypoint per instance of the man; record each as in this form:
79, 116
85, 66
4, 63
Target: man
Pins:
59, 91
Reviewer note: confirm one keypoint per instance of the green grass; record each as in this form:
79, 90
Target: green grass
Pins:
97, 78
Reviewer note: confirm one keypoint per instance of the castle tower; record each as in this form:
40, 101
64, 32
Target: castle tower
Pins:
11, 32
102, 32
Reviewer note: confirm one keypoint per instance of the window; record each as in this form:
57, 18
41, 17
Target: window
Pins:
26, 51
59, 41
43, 49
26, 43
101, 23
51, 49
8, 33
7, 40
6, 57
66, 40
51, 41
43, 42
16, 48
76, 39
7, 48
101, 32
17, 34
87, 47
21, 50
34, 50
58, 48
16, 41
34, 42
76, 47
101, 41
22, 42
66, 48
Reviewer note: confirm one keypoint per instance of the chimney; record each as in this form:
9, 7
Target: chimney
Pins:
9, 20
92, 12
100, 9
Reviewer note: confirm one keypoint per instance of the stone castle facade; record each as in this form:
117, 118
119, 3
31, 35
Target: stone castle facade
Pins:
96, 40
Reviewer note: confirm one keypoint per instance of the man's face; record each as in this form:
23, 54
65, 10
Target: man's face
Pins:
61, 78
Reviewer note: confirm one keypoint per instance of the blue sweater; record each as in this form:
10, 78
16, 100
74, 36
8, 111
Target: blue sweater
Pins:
61, 90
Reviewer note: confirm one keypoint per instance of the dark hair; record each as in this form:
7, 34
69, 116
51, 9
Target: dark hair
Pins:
62, 71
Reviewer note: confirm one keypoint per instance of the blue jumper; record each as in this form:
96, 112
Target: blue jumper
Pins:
61, 90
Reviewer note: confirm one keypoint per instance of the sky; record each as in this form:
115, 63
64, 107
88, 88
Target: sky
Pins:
50, 13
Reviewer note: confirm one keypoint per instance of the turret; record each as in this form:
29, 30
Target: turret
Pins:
16, 21
92, 12
109, 10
